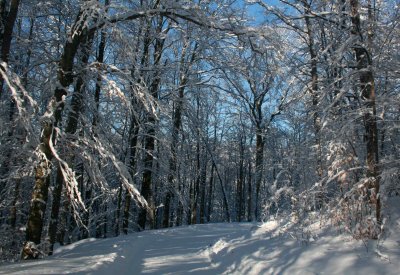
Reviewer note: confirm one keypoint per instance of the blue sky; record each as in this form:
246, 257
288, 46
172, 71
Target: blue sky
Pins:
256, 12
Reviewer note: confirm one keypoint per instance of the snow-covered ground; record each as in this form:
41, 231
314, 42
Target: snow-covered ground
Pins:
226, 248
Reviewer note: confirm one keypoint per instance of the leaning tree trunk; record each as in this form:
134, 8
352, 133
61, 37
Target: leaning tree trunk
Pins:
70, 129
43, 167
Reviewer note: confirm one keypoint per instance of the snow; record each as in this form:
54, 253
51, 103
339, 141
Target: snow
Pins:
274, 247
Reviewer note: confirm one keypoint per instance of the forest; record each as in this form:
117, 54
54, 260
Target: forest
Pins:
118, 116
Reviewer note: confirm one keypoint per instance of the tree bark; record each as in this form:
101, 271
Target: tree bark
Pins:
196, 190
314, 86
224, 198
48, 133
118, 214
13, 209
249, 194
3, 18
240, 183
367, 87
203, 178
259, 168
177, 117
149, 143
8, 22
86, 215
135, 123
70, 129
210, 194
134, 129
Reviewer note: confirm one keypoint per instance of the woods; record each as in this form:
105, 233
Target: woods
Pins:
123, 116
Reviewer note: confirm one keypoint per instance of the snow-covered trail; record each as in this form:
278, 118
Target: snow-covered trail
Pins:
170, 251
228, 248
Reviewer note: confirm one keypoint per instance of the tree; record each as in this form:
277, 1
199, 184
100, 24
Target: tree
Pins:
255, 88
367, 87
210, 113
7, 22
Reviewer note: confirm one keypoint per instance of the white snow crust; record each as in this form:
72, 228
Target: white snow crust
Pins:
274, 247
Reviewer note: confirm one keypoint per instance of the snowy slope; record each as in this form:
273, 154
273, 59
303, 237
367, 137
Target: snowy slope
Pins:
234, 248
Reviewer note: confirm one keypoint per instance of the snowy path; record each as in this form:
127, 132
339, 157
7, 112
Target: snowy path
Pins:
220, 249
174, 251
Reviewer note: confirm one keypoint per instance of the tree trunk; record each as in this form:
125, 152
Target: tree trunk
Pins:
210, 193
203, 178
249, 195
179, 211
177, 117
3, 18
240, 183
196, 190
8, 26
38, 202
173, 158
367, 87
259, 169
105, 221
63, 221
13, 210
89, 187
149, 143
6, 164
147, 189
314, 87
97, 211
86, 215
119, 203
224, 198
71, 127
191, 199
127, 207
71, 226
134, 129
55, 209
56, 106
